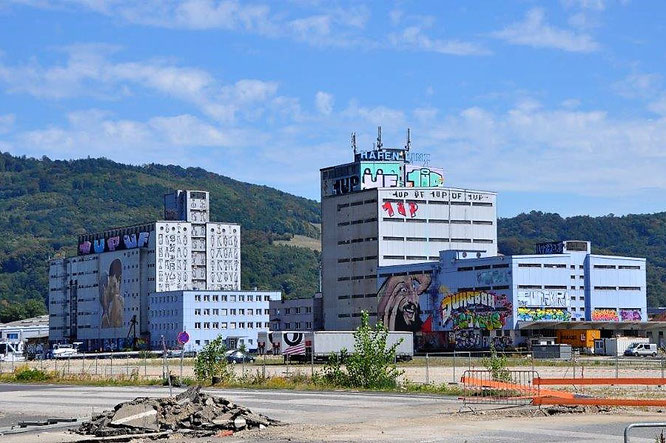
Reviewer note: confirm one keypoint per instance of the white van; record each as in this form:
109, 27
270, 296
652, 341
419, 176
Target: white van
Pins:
641, 350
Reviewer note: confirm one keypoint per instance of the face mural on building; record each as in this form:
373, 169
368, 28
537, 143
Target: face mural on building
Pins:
110, 298
399, 302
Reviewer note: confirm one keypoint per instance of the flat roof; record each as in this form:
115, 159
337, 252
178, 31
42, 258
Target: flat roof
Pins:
605, 325
42, 320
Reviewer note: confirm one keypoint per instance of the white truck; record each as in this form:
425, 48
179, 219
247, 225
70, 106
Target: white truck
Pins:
616, 345
319, 345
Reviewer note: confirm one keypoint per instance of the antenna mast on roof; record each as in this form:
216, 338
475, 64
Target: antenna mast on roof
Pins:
379, 138
353, 142
409, 140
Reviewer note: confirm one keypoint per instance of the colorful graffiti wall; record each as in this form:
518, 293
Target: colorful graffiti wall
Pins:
543, 298
381, 175
110, 294
423, 176
630, 315
399, 306
604, 315
475, 310
543, 314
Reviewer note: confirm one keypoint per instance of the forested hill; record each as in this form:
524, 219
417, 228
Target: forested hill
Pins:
45, 204
642, 235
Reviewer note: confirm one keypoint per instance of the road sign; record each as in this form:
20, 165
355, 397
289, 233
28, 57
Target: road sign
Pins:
183, 337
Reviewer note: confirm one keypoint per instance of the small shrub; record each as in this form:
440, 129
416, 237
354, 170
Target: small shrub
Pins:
26, 374
497, 365
211, 363
371, 365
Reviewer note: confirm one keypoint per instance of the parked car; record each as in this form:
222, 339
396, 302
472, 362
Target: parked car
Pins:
641, 350
239, 357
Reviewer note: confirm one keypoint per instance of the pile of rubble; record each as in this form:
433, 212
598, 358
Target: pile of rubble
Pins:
191, 412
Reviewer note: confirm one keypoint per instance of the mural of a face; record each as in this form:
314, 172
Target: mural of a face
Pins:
113, 304
399, 302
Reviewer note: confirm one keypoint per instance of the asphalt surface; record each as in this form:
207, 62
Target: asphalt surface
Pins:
332, 416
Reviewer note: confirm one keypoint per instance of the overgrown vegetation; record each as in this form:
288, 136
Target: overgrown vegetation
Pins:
372, 365
211, 364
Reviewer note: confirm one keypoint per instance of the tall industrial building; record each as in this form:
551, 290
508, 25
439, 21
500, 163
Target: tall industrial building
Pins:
101, 296
388, 207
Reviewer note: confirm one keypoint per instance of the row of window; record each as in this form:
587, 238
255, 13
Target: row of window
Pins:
358, 222
356, 240
231, 298
438, 239
355, 259
410, 257
617, 267
346, 297
357, 277
230, 325
437, 220
295, 325
356, 203
478, 268
230, 311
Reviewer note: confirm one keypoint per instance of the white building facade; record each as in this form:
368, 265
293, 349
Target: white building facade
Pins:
237, 316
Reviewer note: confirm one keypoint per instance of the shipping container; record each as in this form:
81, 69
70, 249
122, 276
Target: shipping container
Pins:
578, 338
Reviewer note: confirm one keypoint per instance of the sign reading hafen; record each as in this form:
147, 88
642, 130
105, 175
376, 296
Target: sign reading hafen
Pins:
109, 243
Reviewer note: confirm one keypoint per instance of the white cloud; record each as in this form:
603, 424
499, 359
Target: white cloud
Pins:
324, 102
7, 123
90, 72
597, 5
638, 86
658, 106
534, 31
414, 38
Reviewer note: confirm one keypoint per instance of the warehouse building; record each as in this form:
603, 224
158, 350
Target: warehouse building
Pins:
388, 207
101, 297
465, 302
298, 314
237, 316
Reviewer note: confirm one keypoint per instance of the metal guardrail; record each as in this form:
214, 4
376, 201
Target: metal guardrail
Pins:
641, 425
499, 387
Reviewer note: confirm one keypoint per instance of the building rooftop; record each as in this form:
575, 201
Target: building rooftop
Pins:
42, 320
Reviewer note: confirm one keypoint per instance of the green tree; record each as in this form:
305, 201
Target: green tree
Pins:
211, 363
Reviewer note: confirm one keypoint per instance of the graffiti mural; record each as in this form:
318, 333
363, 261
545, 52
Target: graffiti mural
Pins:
541, 314
110, 243
173, 256
630, 315
468, 339
543, 298
423, 177
399, 307
223, 252
110, 296
493, 277
475, 309
401, 208
381, 175
604, 315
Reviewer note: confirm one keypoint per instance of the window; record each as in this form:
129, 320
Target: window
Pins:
232, 325
233, 298
250, 311
223, 325
206, 297
216, 325
287, 325
197, 298
267, 298
629, 288
206, 311
232, 311
224, 298
250, 298
216, 312
628, 267
197, 312
216, 298
298, 325
604, 266
605, 288
287, 310
529, 265
241, 298
206, 325
223, 311
265, 311
241, 325
197, 325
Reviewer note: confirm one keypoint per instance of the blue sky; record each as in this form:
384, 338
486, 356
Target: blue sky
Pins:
557, 106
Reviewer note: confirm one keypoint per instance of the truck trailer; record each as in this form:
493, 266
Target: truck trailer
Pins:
319, 345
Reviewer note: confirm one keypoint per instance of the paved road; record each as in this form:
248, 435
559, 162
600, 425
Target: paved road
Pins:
333, 416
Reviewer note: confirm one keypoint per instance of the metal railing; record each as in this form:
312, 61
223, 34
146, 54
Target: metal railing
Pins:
499, 387
643, 425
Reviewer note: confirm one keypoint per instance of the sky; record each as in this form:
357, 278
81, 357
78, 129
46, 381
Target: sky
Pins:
558, 106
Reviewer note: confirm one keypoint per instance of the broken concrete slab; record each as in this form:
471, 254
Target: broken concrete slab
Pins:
191, 411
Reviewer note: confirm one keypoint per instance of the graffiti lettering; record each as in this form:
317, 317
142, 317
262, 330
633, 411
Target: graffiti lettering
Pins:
605, 315
413, 209
421, 177
543, 298
630, 315
532, 314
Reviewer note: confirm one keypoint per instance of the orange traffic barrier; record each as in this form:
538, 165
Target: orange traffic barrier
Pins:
515, 387
599, 381
598, 401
